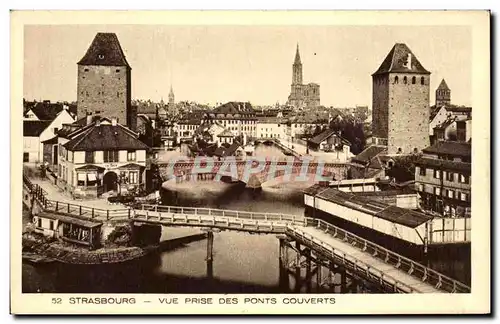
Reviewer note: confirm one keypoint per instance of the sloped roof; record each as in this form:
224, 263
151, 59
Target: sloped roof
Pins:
369, 154
49, 111
326, 134
52, 140
443, 86
449, 148
444, 164
461, 109
105, 137
33, 128
234, 107
375, 208
446, 123
223, 151
397, 60
226, 133
105, 50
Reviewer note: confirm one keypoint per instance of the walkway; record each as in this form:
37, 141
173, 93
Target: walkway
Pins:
53, 192
302, 150
365, 262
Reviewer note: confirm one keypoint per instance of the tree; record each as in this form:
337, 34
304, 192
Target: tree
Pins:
403, 168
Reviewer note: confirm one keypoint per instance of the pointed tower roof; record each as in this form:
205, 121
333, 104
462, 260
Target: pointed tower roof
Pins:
401, 59
171, 91
443, 86
297, 56
105, 50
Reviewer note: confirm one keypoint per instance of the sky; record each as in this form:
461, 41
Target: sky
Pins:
213, 64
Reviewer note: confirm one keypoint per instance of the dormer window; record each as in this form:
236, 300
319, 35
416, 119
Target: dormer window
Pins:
396, 79
86, 70
422, 80
405, 80
101, 56
413, 80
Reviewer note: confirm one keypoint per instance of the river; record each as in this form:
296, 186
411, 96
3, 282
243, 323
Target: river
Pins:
243, 263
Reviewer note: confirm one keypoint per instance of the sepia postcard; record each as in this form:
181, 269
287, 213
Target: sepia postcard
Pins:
250, 162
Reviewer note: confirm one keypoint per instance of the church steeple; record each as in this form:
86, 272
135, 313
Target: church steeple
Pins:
443, 94
171, 96
297, 56
297, 68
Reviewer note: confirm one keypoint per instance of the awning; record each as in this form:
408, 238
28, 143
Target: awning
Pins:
81, 176
91, 177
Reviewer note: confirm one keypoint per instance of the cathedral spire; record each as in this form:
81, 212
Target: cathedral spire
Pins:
297, 56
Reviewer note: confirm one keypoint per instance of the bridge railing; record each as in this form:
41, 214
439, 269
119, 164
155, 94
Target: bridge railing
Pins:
88, 212
403, 263
296, 219
349, 261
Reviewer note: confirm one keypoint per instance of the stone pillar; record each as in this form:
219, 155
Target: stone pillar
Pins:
210, 254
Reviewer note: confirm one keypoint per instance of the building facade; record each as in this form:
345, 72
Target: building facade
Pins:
101, 157
302, 95
238, 117
400, 113
443, 179
104, 82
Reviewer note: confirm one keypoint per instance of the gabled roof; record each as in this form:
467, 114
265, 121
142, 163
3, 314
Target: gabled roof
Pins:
33, 128
449, 148
52, 140
105, 137
443, 86
446, 123
49, 111
105, 50
460, 109
397, 61
325, 135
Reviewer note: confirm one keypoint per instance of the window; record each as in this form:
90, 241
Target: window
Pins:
133, 175
437, 191
110, 156
117, 70
413, 80
405, 80
420, 187
451, 194
80, 179
422, 80
437, 174
85, 70
464, 179
89, 157
51, 225
117, 94
464, 196
26, 157
130, 155
450, 176
91, 179
39, 222
422, 171
55, 130
123, 177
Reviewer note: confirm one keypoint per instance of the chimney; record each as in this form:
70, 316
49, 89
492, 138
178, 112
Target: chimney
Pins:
98, 122
113, 121
89, 118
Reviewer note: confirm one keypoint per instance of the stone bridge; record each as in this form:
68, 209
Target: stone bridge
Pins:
253, 171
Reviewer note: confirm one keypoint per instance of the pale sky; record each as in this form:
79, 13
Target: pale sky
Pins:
210, 64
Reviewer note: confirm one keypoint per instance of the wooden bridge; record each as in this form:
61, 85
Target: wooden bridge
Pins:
361, 258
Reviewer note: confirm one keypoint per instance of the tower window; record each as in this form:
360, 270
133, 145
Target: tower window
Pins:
101, 56
117, 70
422, 80
405, 80
396, 79
413, 80
86, 70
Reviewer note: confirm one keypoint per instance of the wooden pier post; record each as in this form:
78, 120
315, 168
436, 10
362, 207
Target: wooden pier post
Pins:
343, 281
308, 277
284, 278
298, 281
210, 254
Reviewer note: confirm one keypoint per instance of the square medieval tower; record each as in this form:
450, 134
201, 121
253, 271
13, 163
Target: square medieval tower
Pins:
401, 102
104, 81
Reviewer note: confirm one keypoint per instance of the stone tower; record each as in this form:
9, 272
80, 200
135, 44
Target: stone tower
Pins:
401, 102
443, 94
104, 81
